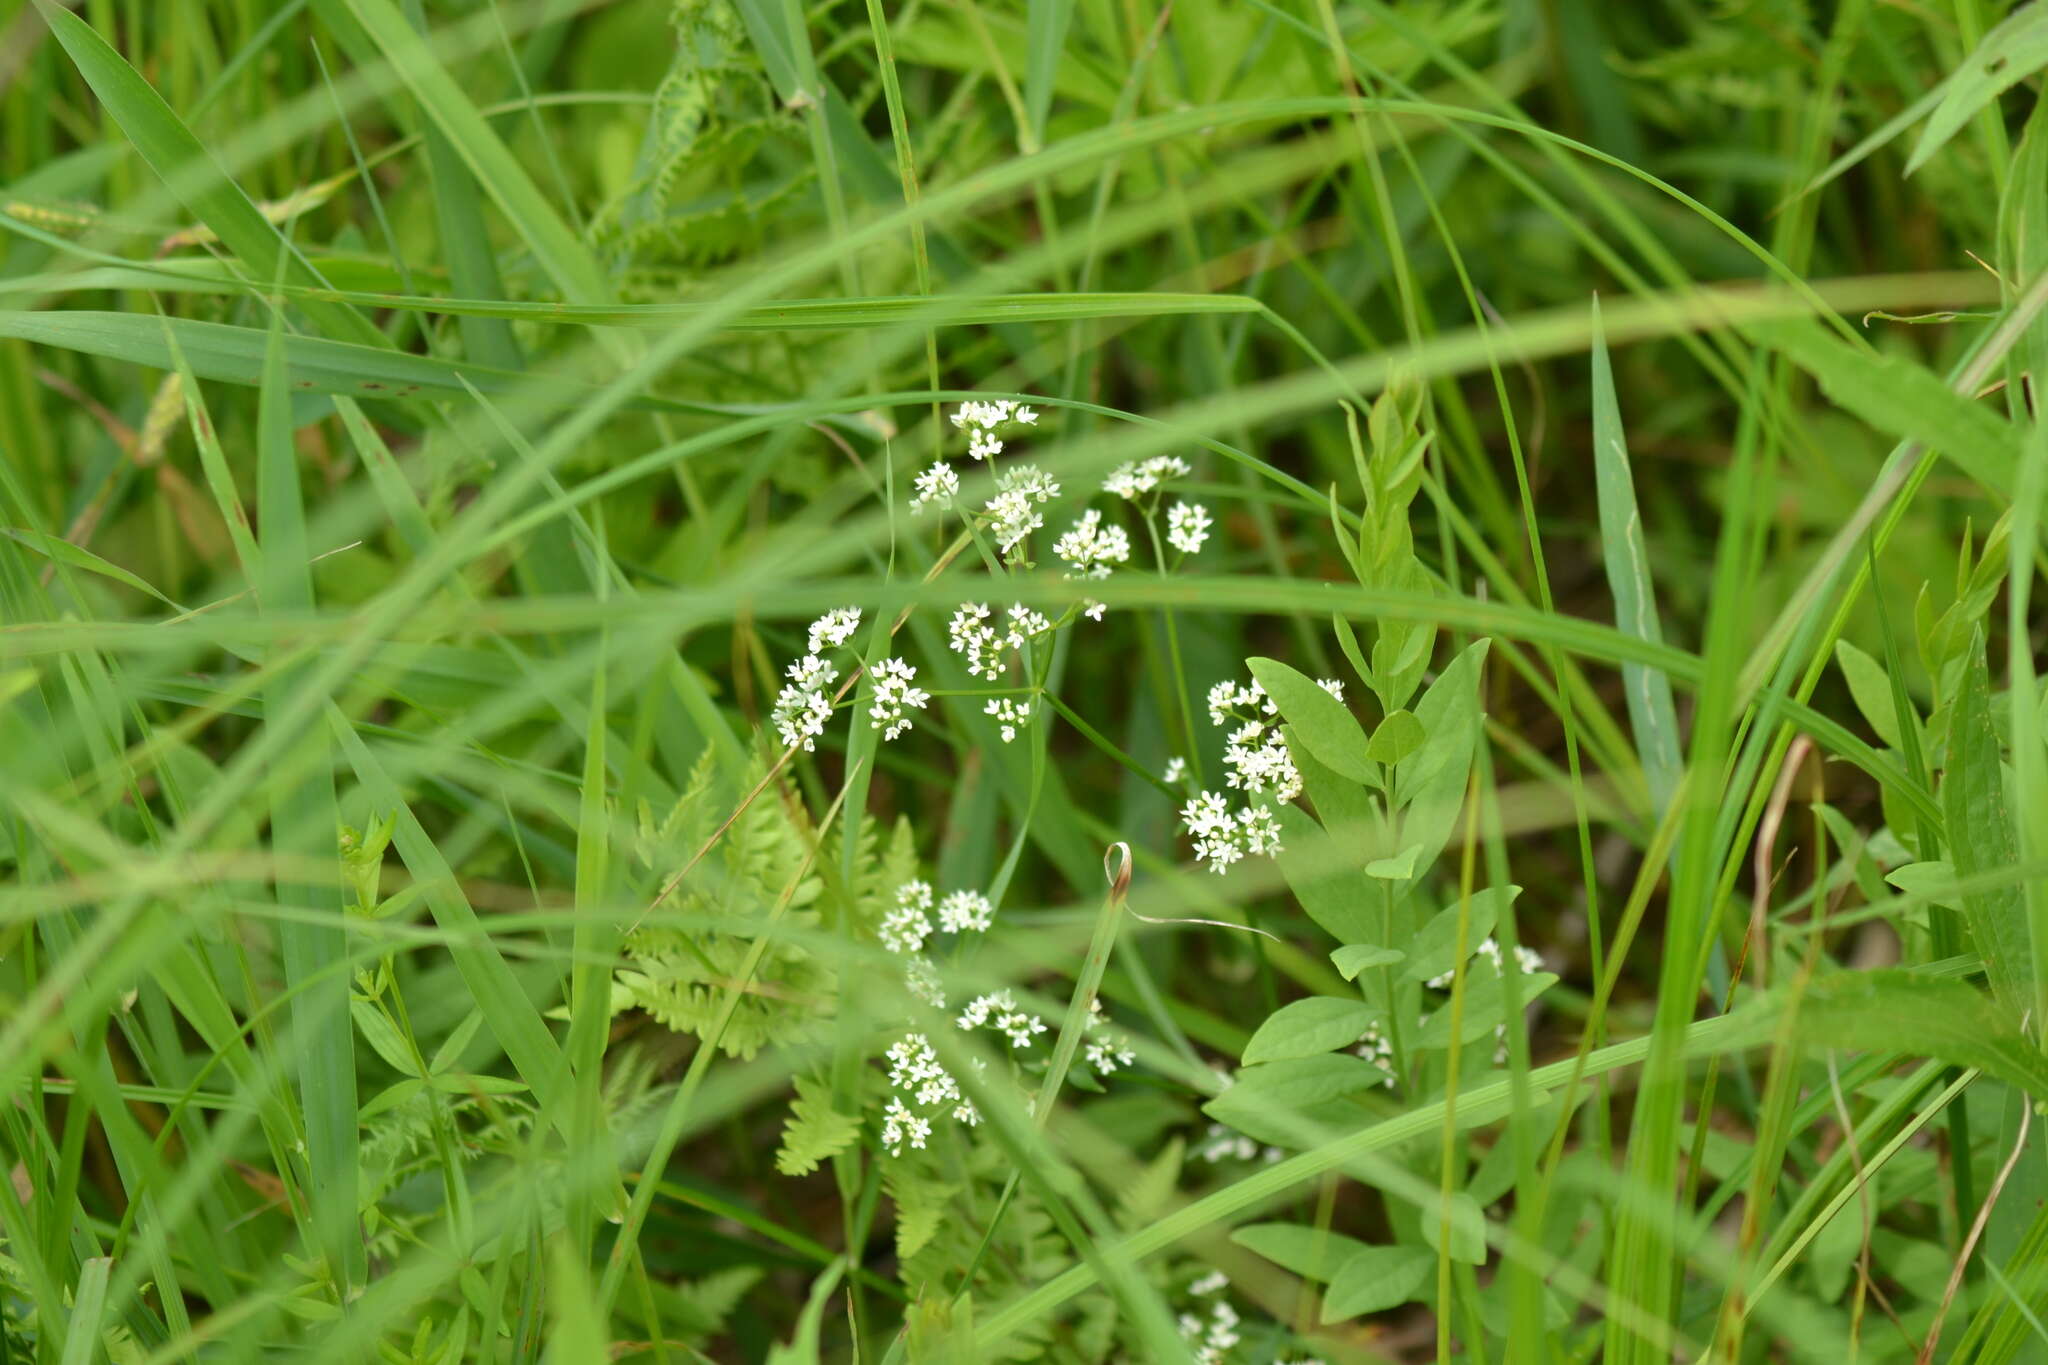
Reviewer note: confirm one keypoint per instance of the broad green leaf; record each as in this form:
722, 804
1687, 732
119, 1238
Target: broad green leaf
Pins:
384, 1038
1354, 958
1321, 870
390, 1097
1433, 786
1981, 836
1871, 690
1466, 1224
1375, 1279
1933, 882
1310, 1252
1399, 868
1890, 1010
1484, 1009
2008, 54
1321, 1023
1398, 736
1902, 399
1651, 713
1434, 949
1320, 1087
1323, 725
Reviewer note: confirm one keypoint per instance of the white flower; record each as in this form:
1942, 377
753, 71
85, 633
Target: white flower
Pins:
1009, 715
1212, 1339
1109, 1052
1187, 526
1091, 547
1176, 771
1257, 757
1019, 1026
978, 1009
1489, 951
1090, 550
1217, 835
1215, 1282
966, 911
802, 707
1332, 686
921, 978
899, 1124
982, 645
1375, 1048
834, 628
1227, 698
904, 929
1221, 1144
999, 1011
1012, 512
893, 696
1140, 477
1261, 829
938, 484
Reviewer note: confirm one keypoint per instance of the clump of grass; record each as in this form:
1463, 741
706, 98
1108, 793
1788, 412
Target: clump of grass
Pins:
686, 680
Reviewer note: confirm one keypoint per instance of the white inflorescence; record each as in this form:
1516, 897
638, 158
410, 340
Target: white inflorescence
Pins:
1375, 1048
1013, 512
964, 912
1489, 950
987, 648
999, 1011
803, 707
894, 697
1140, 477
905, 928
1187, 526
1213, 1337
1009, 715
1108, 1052
935, 486
1176, 771
915, 1071
834, 628
1091, 549
921, 977
1259, 765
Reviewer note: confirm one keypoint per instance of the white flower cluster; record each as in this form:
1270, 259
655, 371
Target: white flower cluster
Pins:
894, 697
1187, 527
986, 648
1013, 512
1134, 480
1110, 1051
1377, 1049
1009, 715
1526, 958
904, 929
833, 629
938, 484
1000, 1012
981, 421
915, 1071
1260, 767
1223, 1143
1213, 1336
803, 706
1091, 549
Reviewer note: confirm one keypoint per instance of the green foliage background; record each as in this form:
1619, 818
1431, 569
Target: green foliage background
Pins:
427, 427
